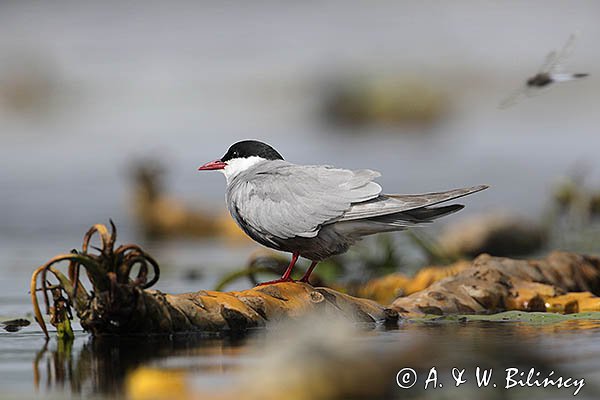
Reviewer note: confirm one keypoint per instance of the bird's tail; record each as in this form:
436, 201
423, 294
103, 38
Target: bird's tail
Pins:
428, 214
395, 222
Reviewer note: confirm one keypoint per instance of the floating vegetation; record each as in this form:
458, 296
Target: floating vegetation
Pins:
109, 271
557, 283
535, 318
120, 304
386, 289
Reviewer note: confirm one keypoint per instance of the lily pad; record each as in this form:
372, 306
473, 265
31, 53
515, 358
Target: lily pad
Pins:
512, 316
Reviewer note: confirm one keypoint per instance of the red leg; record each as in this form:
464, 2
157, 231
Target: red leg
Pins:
308, 272
286, 275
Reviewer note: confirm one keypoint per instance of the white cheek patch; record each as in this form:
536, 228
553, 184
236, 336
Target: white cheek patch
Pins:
238, 165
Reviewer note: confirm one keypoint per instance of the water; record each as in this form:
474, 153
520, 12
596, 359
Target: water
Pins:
104, 367
182, 82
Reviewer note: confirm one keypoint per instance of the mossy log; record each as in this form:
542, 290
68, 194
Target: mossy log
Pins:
120, 302
152, 311
562, 282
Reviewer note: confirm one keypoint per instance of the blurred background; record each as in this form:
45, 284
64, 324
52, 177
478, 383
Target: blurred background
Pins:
107, 109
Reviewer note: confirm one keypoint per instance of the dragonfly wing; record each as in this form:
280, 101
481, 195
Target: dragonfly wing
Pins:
548, 63
513, 98
563, 54
532, 91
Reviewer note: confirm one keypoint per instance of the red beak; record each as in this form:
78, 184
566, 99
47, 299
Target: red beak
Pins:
217, 164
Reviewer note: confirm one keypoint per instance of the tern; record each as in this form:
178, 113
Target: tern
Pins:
316, 211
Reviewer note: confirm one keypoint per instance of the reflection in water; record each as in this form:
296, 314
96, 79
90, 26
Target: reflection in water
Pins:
103, 363
283, 360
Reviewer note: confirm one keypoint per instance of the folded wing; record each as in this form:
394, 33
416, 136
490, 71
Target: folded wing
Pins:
287, 200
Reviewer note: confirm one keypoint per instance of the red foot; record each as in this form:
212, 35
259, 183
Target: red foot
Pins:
308, 272
286, 275
280, 280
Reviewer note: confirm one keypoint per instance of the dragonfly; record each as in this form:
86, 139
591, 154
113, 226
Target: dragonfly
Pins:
550, 72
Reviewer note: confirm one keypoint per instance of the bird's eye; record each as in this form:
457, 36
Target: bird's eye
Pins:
235, 154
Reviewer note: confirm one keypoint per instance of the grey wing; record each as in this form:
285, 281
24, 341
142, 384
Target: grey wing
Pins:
390, 204
288, 200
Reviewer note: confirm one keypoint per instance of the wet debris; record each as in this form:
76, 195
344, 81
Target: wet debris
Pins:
561, 282
118, 302
15, 325
387, 288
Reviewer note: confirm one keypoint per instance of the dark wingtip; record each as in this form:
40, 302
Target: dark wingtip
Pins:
478, 188
428, 214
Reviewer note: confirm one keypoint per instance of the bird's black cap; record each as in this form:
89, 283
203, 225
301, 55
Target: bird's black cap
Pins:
249, 148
